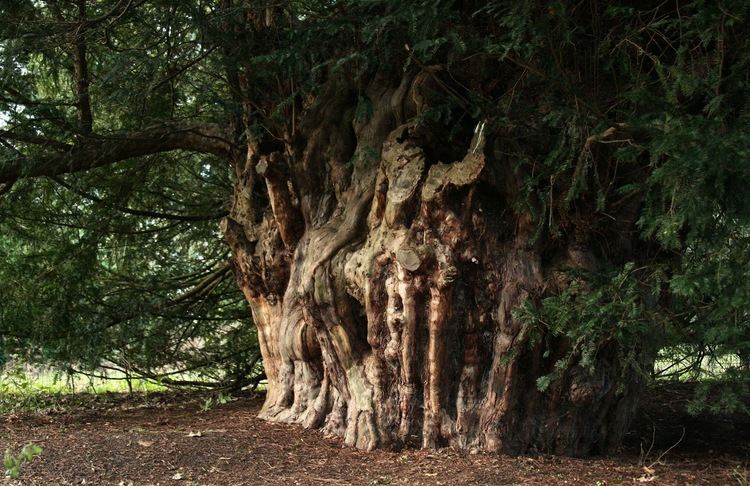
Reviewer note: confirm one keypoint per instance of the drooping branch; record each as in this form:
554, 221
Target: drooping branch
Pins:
140, 212
100, 151
205, 285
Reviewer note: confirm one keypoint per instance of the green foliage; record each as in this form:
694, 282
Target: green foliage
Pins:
673, 87
96, 269
13, 462
729, 393
87, 284
215, 400
595, 314
17, 391
44, 390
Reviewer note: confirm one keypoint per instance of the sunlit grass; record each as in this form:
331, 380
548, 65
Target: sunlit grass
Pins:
685, 363
25, 389
20, 380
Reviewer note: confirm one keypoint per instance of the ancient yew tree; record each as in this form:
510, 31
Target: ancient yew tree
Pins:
456, 223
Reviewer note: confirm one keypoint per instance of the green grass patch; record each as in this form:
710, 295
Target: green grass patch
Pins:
25, 390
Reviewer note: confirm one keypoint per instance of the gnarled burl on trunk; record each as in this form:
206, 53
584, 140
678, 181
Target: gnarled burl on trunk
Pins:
382, 277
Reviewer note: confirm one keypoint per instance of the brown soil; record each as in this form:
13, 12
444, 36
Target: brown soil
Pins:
167, 439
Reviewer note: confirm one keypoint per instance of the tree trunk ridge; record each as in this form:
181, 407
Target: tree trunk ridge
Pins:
383, 282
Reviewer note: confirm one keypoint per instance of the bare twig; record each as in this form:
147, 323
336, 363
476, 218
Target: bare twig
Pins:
665, 452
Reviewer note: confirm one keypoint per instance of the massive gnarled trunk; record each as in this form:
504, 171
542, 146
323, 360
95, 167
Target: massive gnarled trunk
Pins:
383, 277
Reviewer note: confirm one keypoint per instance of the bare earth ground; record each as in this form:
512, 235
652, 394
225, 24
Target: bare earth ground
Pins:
166, 439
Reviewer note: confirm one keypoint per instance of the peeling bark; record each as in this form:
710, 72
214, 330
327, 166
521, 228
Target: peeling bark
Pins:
383, 284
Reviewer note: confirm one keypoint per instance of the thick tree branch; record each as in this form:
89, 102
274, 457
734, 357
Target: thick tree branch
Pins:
81, 72
100, 151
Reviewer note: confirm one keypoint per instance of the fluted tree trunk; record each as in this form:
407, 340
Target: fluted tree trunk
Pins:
383, 281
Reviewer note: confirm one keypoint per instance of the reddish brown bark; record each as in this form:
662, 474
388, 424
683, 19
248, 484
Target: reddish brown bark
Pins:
383, 283
81, 71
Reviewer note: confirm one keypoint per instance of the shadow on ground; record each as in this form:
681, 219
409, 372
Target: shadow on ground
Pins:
168, 439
